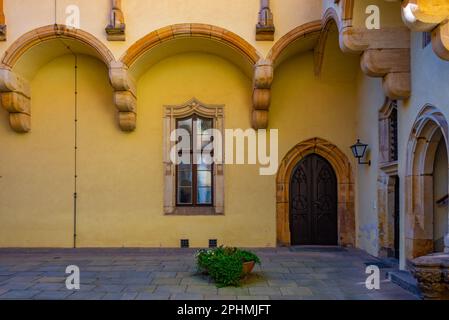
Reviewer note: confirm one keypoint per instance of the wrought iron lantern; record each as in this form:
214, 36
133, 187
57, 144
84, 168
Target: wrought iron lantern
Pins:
359, 151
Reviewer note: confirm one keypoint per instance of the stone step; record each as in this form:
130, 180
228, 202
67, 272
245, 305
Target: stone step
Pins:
405, 280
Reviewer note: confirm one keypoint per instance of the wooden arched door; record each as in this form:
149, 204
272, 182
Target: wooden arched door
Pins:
313, 203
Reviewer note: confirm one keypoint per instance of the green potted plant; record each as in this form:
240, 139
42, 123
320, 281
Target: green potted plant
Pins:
227, 266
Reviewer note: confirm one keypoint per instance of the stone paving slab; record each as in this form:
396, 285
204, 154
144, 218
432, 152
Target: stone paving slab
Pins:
52, 295
170, 274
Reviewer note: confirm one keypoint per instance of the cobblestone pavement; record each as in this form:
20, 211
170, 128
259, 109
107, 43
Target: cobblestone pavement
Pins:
171, 274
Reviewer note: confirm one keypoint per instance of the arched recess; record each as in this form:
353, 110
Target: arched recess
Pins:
42, 34
428, 130
181, 38
33, 50
220, 36
345, 179
300, 39
385, 51
329, 21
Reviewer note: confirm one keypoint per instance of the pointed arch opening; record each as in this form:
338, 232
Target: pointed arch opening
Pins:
428, 144
345, 189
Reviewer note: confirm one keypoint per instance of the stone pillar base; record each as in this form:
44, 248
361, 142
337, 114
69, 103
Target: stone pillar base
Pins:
432, 273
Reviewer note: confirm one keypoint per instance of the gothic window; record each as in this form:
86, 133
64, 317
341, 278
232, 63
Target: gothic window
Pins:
388, 132
193, 185
393, 127
195, 177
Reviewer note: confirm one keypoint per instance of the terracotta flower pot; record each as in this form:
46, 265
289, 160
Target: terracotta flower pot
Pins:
248, 267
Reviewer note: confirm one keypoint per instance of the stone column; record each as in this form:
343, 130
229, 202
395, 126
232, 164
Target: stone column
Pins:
265, 27
2, 23
116, 28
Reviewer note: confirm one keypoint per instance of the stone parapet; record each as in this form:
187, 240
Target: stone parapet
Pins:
432, 274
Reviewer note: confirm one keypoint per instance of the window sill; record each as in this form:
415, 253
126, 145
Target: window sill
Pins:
194, 211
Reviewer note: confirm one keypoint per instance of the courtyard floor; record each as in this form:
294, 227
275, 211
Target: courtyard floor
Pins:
161, 274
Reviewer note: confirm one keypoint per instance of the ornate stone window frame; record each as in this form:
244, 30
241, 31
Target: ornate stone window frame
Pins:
171, 114
387, 157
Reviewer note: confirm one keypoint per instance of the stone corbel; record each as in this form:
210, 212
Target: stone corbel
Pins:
263, 78
2, 23
265, 27
385, 54
356, 40
124, 96
385, 51
116, 28
429, 16
440, 40
393, 65
15, 98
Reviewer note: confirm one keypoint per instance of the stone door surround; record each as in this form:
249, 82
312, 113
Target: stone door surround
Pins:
430, 127
345, 181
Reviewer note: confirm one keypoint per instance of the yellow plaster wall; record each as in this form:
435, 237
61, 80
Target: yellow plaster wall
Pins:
37, 169
133, 174
145, 16
120, 178
120, 175
389, 13
305, 106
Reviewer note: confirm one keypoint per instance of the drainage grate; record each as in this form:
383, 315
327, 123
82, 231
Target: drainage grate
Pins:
185, 243
213, 243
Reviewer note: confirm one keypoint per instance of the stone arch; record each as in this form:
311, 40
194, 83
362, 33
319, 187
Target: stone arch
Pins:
180, 38
429, 128
189, 30
14, 86
39, 35
344, 16
345, 180
299, 33
385, 52
319, 28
